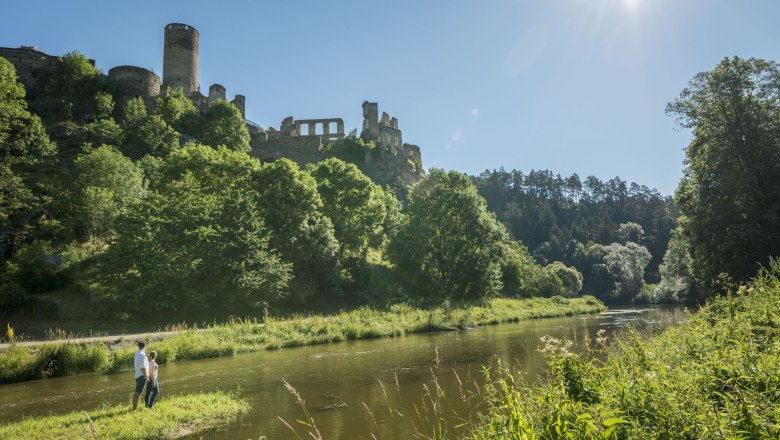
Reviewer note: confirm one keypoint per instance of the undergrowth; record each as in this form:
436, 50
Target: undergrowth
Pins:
714, 377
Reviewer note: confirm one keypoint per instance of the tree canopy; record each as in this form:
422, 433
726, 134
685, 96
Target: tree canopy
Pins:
728, 197
449, 243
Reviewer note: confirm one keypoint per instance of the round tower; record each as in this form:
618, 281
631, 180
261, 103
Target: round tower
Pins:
180, 57
127, 82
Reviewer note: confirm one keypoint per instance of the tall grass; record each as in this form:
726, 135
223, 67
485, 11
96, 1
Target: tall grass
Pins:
239, 336
714, 377
173, 417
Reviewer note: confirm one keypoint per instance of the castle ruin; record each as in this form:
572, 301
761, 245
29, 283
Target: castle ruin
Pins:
303, 141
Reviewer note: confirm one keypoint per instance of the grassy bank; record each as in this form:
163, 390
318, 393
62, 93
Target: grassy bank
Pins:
59, 359
716, 376
173, 417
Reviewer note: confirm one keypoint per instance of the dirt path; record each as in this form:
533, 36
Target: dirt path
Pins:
83, 340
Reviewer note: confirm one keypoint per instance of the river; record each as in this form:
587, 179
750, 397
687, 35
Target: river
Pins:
336, 380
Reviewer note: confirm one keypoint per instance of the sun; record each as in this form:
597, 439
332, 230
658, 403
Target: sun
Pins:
632, 4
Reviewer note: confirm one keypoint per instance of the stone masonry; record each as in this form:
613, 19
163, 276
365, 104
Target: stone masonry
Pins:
303, 141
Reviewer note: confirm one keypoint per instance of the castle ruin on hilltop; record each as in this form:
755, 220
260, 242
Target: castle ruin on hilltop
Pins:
303, 141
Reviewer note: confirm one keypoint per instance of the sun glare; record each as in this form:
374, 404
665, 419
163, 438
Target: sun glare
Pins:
632, 4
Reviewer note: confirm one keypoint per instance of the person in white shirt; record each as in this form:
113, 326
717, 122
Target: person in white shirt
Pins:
141, 366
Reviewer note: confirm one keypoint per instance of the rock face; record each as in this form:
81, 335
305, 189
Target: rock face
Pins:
386, 158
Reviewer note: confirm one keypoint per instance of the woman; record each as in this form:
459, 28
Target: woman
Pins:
152, 388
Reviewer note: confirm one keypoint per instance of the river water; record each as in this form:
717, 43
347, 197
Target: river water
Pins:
389, 376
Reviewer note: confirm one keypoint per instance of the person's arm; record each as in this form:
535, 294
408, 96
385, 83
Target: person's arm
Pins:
145, 368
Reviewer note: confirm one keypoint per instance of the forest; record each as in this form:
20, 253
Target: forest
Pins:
157, 210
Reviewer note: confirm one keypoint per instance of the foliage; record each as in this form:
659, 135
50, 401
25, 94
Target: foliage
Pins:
174, 417
178, 111
25, 153
301, 232
571, 278
72, 90
676, 284
354, 203
616, 271
630, 232
449, 244
33, 269
197, 242
713, 377
101, 132
107, 185
146, 135
552, 214
223, 125
728, 197
350, 149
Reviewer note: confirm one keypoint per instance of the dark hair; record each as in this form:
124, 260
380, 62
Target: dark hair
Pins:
153, 354
141, 344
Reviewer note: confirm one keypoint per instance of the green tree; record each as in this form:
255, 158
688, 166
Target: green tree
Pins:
107, 184
25, 154
100, 132
729, 198
449, 244
676, 284
354, 204
571, 278
146, 135
294, 213
222, 124
615, 272
197, 243
630, 232
178, 111
72, 89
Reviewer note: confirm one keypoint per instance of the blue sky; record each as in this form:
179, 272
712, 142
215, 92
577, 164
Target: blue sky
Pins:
567, 85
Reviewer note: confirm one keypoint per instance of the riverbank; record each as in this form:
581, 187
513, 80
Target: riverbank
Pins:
64, 358
713, 377
173, 417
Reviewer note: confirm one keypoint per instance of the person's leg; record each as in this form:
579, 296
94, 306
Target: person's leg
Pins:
139, 387
149, 392
153, 396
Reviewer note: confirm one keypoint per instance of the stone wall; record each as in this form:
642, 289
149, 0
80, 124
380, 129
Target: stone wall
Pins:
31, 68
128, 82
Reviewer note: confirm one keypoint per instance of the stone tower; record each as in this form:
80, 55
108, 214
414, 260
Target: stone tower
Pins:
180, 58
370, 121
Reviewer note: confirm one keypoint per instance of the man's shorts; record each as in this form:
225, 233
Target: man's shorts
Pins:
140, 382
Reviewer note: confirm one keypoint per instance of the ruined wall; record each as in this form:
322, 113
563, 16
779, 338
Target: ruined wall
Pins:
300, 149
370, 121
240, 102
216, 92
128, 82
180, 57
31, 68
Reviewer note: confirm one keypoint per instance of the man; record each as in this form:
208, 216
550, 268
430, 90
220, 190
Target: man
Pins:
141, 365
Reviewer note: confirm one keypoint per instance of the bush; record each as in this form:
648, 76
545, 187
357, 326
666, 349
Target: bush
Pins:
34, 268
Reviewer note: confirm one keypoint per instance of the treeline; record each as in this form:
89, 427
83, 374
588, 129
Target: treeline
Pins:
157, 210
614, 233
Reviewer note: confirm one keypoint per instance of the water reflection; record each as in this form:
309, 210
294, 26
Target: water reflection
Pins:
387, 375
